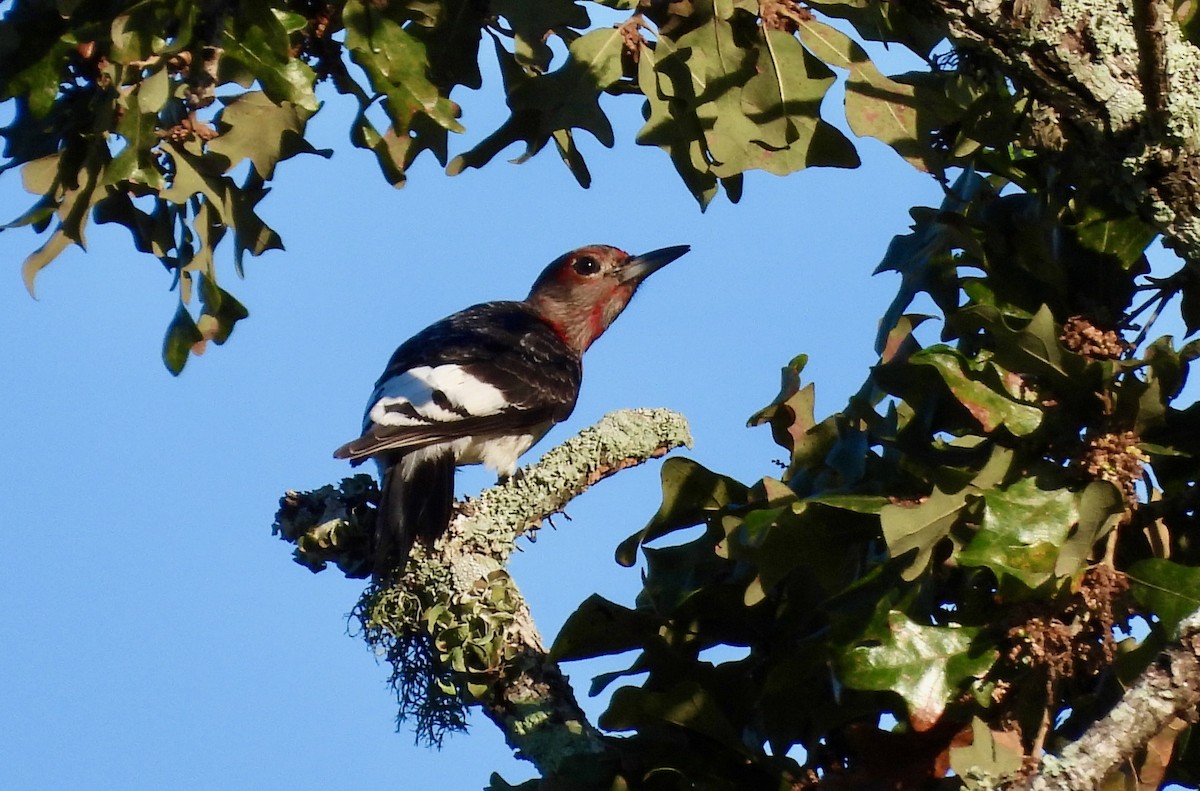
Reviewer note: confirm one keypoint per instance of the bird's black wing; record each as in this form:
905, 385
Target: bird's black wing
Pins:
495, 368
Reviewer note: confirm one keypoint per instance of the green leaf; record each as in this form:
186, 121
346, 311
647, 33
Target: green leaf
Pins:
152, 232
876, 106
189, 180
498, 783
986, 755
1167, 589
922, 526
251, 125
39, 77
142, 30
257, 40
40, 258
1032, 348
40, 175
1115, 232
182, 335
889, 23
680, 575
397, 64
564, 141
72, 210
925, 665
599, 627
392, 151
250, 232
791, 413
153, 91
825, 541
758, 106
691, 494
784, 97
991, 407
532, 24
570, 97
222, 307
687, 705
720, 67
1022, 529
561, 100
1101, 506
137, 162
670, 124
923, 257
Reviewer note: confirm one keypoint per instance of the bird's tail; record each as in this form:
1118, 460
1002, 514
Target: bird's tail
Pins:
415, 502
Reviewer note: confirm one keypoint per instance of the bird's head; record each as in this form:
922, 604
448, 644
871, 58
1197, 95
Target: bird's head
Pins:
582, 292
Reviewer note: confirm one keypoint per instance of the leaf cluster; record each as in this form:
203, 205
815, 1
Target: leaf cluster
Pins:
963, 548
169, 117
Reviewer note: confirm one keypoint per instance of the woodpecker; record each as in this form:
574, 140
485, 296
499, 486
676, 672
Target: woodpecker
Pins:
482, 386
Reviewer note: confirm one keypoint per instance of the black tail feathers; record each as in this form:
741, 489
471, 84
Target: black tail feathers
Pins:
415, 502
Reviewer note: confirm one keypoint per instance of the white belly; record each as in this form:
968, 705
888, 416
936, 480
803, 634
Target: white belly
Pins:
496, 453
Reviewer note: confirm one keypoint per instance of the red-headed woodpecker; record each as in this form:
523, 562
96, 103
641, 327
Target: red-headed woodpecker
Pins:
483, 385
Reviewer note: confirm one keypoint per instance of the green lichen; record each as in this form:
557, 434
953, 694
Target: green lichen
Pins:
549, 744
332, 524
1107, 63
455, 627
493, 521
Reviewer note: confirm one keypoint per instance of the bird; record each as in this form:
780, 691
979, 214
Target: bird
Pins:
482, 386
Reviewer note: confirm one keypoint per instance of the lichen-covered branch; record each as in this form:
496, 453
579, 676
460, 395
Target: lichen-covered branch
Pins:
1119, 85
1168, 690
455, 627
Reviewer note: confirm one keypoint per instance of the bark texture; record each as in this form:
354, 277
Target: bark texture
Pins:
1168, 690
1119, 89
460, 597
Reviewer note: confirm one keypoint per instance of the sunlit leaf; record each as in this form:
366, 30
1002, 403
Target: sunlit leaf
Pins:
925, 665
1022, 528
40, 258
991, 408
257, 40
220, 306
670, 124
252, 126
876, 106
991, 753
397, 64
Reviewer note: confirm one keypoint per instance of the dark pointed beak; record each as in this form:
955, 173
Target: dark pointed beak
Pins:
640, 267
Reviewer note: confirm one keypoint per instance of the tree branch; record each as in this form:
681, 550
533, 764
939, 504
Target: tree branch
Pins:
455, 627
1120, 82
1168, 690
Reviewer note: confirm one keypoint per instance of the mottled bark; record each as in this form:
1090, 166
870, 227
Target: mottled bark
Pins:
1119, 94
1168, 690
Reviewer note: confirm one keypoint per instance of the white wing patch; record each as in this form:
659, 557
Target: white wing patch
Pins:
422, 388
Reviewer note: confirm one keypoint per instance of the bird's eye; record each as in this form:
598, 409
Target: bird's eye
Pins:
587, 266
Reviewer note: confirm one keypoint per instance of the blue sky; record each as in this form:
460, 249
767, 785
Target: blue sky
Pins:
157, 636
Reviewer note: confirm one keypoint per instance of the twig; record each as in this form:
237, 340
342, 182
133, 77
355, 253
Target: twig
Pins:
1168, 689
